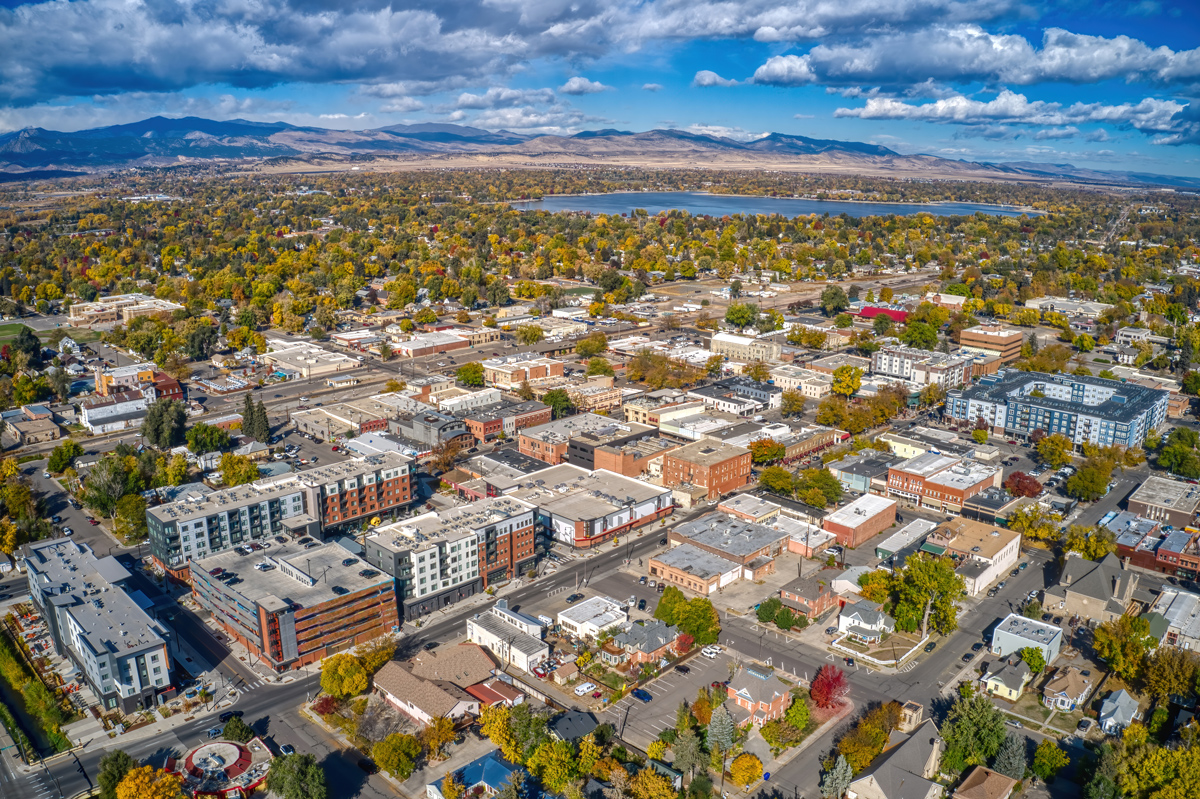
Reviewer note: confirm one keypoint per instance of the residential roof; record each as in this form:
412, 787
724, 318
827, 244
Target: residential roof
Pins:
756, 685
463, 665
522, 642
899, 772
573, 725
647, 637
1120, 707
1069, 682
434, 697
869, 614
491, 770
1012, 672
983, 783
1101, 580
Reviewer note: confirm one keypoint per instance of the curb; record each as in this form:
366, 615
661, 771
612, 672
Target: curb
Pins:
848, 706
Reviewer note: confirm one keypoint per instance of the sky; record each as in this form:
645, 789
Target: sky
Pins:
1095, 83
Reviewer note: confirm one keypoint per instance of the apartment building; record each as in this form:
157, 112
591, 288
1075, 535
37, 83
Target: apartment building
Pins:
120, 650
581, 449
1084, 409
922, 367
719, 468
510, 371
809, 382
940, 482
442, 557
992, 339
304, 503
744, 348
291, 606
122, 308
118, 379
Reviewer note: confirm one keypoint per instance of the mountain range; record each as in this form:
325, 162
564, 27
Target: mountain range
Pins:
37, 153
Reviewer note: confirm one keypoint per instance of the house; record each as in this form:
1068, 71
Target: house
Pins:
463, 665
864, 621
1006, 678
1067, 689
640, 643
423, 700
496, 692
565, 673
1102, 590
1017, 632
809, 596
905, 771
758, 695
572, 725
846, 583
983, 783
1118, 711
489, 773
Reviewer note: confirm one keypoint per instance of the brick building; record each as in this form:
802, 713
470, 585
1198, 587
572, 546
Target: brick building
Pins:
993, 339
810, 596
549, 442
745, 543
720, 468
490, 421
634, 458
861, 520
940, 482
511, 371
581, 448
758, 697
1172, 501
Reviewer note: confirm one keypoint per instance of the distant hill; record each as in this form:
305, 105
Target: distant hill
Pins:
36, 153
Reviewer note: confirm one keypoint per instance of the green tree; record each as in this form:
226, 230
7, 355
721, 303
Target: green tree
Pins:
528, 335
470, 374
593, 345
836, 780
163, 425
757, 371
129, 520
847, 380
768, 608
689, 754
113, 768
1011, 760
599, 366
1049, 759
973, 732
297, 777
1122, 644
397, 755
106, 485
238, 470
920, 335
699, 619
834, 300
1034, 659
670, 605
777, 480
1055, 450
798, 713
64, 456
979, 436
720, 730
1035, 523
559, 402
741, 314
237, 730
1091, 481
785, 619
202, 438
261, 431
926, 592
715, 363
791, 403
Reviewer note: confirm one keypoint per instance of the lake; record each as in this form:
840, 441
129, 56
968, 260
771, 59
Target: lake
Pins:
699, 203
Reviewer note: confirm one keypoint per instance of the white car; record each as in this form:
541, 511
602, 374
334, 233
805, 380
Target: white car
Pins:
46, 475
580, 690
710, 651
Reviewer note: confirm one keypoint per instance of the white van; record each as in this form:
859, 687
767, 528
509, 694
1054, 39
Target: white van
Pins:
583, 689
546, 620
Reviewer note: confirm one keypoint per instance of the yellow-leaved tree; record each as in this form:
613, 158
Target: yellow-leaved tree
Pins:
147, 782
342, 676
746, 769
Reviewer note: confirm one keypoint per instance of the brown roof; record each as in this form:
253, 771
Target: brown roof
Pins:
462, 665
437, 698
983, 783
1069, 682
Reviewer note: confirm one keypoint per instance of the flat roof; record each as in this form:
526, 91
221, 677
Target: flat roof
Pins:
927, 464
860, 510
749, 504
708, 453
575, 494
600, 611
303, 577
1181, 609
1165, 493
905, 536
963, 475
981, 540
562, 430
737, 537
1030, 629
444, 526
695, 561
511, 634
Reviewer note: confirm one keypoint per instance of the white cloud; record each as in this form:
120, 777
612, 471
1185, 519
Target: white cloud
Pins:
652, 87
785, 70
500, 97
1099, 135
402, 105
1068, 132
707, 78
1010, 108
557, 120
580, 85
738, 134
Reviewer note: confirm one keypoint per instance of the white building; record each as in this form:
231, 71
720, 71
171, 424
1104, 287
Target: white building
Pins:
923, 367
93, 622
592, 616
743, 348
120, 411
1017, 632
809, 382
507, 641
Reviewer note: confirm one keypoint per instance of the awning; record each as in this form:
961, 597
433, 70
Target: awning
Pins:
932, 548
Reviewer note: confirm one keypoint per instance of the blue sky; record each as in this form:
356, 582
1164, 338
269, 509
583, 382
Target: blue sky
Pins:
1108, 85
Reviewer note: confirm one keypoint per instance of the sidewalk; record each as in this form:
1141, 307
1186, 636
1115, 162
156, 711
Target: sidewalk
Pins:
775, 764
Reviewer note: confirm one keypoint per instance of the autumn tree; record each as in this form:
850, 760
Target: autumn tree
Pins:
1093, 543
1020, 484
437, 734
374, 654
397, 754
1171, 671
554, 763
846, 380
1122, 644
114, 765
766, 450
792, 403
528, 335
926, 591
757, 371
238, 470
829, 687
1035, 523
1055, 450
342, 676
649, 784
746, 769
1034, 658
147, 782
1049, 759
470, 374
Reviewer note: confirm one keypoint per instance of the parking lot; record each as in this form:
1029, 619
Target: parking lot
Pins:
639, 722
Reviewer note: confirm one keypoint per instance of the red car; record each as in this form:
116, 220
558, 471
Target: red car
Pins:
539, 672
93, 522
597, 695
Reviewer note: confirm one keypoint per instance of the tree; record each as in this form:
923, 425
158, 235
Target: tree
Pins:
1034, 659
746, 769
591, 346
262, 424
599, 366
494, 723
374, 654
129, 519
829, 687
445, 455
147, 782
470, 374
297, 777
1020, 484
785, 619
877, 585
920, 335
1032, 609
163, 426
559, 402
237, 730
791, 403
741, 314
554, 764
238, 470
426, 316
1010, 760
1122, 644
766, 450
798, 713
397, 755
589, 753
714, 365
974, 731
811, 482
60, 384
1091, 481
757, 371
698, 618
926, 590
834, 300
846, 380
1170, 671
64, 456
451, 787
202, 438
113, 768
437, 734
1035, 522
106, 485
777, 480
1055, 450
528, 335
1049, 759
836, 781
1093, 543
515, 788
720, 730
979, 436
670, 605
343, 676
649, 784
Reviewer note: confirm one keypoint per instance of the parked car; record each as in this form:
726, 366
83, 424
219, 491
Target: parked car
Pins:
641, 694
642, 580
368, 766
967, 658
932, 645
430, 645
287, 749
580, 690
573, 598
978, 645
831, 630
682, 669
539, 672
641, 605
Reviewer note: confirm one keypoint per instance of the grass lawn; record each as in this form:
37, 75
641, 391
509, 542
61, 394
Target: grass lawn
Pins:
1030, 705
78, 334
10, 330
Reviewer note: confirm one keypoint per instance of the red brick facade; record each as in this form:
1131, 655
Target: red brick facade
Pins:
366, 500
509, 550
486, 430
719, 478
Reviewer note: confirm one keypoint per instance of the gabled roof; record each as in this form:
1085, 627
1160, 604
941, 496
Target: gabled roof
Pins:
572, 725
648, 637
1097, 580
434, 697
756, 686
1068, 682
899, 773
1012, 673
1120, 707
491, 770
868, 614
983, 783
463, 665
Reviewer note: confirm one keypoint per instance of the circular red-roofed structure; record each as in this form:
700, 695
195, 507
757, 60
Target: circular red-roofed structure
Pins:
220, 767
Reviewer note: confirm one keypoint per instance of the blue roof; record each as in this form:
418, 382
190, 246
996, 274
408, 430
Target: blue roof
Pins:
491, 770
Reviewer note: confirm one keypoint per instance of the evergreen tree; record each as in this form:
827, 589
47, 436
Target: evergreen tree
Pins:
248, 415
720, 730
113, 768
262, 424
1033, 344
837, 780
1010, 760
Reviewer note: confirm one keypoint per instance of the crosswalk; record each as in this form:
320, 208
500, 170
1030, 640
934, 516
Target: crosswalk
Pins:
40, 785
